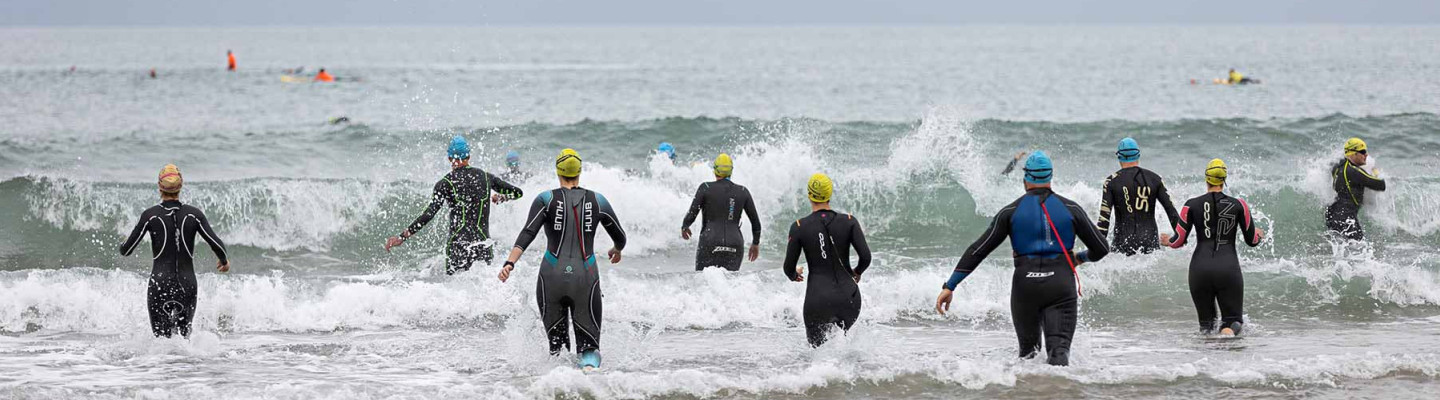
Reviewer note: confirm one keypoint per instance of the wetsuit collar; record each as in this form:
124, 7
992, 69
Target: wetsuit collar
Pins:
170, 204
1039, 191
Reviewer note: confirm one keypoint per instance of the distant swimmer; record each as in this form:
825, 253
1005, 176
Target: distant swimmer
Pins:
172, 227
832, 291
1215, 268
466, 190
339, 120
323, 76
1043, 298
568, 287
1350, 182
666, 149
231, 60
1131, 193
722, 201
513, 173
1237, 79
1013, 161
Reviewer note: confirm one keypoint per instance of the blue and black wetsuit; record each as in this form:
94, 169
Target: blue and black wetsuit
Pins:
467, 191
1215, 276
1132, 193
721, 244
1043, 297
832, 295
568, 288
1350, 182
172, 227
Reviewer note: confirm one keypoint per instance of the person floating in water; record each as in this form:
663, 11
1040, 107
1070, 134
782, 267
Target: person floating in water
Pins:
568, 287
1215, 276
172, 227
720, 238
230, 58
1131, 193
1236, 78
1350, 182
1043, 298
832, 290
666, 149
323, 76
466, 190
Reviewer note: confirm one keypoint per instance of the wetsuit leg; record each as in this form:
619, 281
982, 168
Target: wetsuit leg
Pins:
587, 316
1026, 319
554, 315
829, 308
1345, 221
719, 256
460, 256
1230, 293
1043, 300
1202, 292
171, 302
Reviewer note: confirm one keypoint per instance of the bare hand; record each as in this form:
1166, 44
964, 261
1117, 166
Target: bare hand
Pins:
614, 256
942, 303
799, 274
754, 252
497, 198
505, 272
393, 241
1260, 233
222, 266
685, 233
1019, 155
1165, 239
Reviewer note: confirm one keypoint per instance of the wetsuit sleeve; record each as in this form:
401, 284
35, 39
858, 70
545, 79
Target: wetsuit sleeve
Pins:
857, 241
1163, 196
695, 206
792, 251
442, 192
1364, 179
211, 238
128, 248
504, 188
754, 219
996, 234
1105, 206
1095, 248
539, 213
611, 224
1010, 167
1182, 228
1247, 226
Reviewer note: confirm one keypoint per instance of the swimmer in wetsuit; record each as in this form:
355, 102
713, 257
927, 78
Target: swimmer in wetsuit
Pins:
568, 288
1350, 182
1132, 193
1215, 267
466, 190
832, 291
722, 201
1044, 296
172, 227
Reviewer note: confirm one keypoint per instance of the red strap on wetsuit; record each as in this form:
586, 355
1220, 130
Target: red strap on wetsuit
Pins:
1062, 247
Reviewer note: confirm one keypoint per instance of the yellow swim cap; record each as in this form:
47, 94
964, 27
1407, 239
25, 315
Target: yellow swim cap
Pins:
567, 164
1354, 145
820, 189
1215, 173
724, 166
170, 180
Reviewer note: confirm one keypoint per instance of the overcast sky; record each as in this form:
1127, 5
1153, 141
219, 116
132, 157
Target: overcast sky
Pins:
706, 12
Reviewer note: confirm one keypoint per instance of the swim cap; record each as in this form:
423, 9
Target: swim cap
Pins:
1215, 173
512, 158
820, 189
724, 166
459, 148
666, 148
567, 164
170, 180
1354, 145
1037, 168
1128, 151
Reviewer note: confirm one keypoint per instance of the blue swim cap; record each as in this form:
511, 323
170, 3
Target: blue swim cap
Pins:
459, 148
1128, 151
512, 158
666, 148
1037, 168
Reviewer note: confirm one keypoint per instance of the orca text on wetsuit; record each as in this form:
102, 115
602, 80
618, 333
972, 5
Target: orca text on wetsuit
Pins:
172, 228
1215, 275
721, 243
467, 191
1131, 193
832, 295
568, 287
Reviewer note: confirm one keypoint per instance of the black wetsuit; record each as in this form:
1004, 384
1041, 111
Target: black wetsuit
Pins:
467, 191
1132, 194
1044, 293
1350, 182
568, 288
721, 244
172, 227
1215, 275
832, 297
